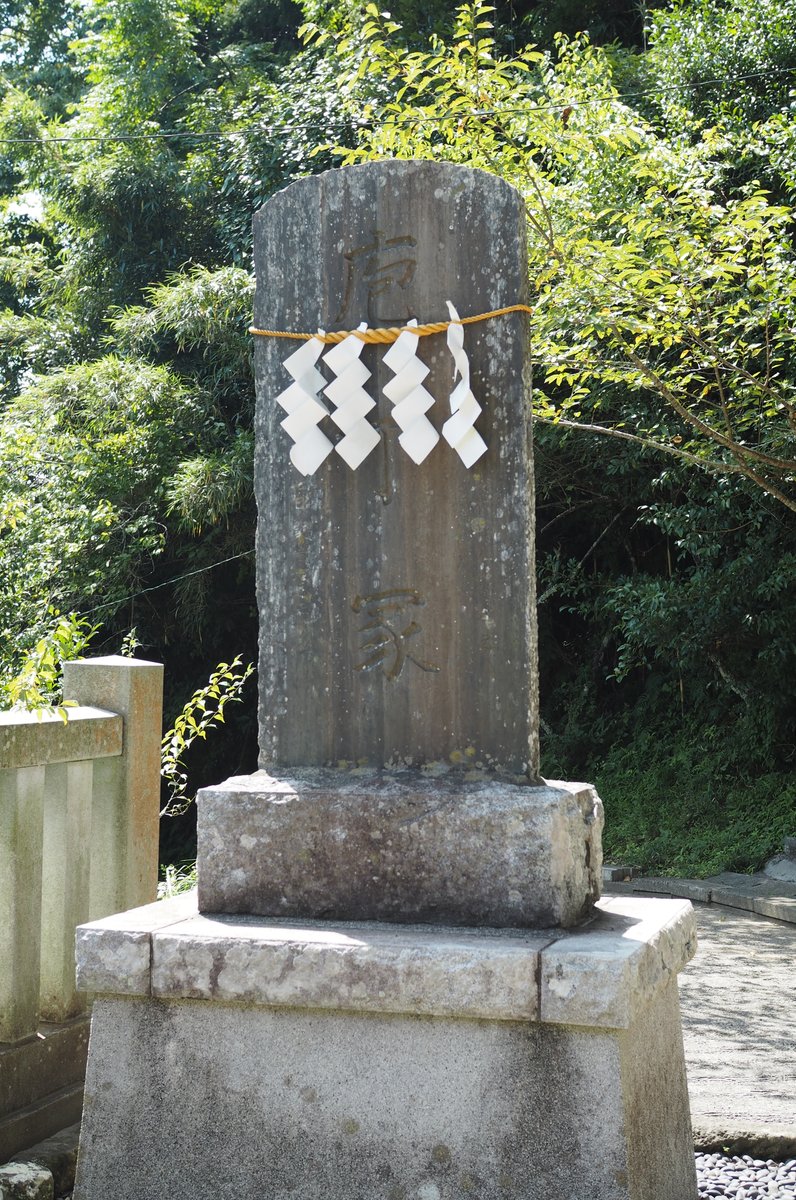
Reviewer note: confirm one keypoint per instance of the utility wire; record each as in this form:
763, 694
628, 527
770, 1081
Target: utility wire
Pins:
218, 134
177, 579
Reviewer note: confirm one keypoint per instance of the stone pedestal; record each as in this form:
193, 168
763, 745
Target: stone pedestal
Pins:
451, 847
235, 1056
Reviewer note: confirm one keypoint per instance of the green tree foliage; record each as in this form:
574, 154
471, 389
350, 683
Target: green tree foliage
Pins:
605, 21
646, 277
203, 712
729, 68
136, 139
35, 682
729, 63
129, 176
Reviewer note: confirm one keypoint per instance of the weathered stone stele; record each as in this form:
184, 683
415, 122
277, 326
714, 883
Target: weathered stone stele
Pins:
434, 560
330, 1023
398, 645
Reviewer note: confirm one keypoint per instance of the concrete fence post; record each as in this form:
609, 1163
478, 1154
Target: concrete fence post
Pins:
125, 807
21, 818
65, 853
79, 802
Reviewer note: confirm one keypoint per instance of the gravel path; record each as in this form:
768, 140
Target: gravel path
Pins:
720, 1177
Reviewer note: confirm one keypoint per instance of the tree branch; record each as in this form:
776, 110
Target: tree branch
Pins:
648, 444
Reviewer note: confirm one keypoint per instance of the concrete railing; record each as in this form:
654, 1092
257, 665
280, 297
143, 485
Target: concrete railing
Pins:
79, 803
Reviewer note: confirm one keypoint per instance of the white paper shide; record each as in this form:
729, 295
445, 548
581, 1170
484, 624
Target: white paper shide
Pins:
418, 437
304, 410
459, 430
351, 402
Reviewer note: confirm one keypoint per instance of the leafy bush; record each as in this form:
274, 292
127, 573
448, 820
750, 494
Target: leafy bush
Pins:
34, 682
671, 809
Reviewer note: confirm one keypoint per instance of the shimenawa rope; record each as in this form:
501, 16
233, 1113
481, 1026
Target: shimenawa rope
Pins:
388, 334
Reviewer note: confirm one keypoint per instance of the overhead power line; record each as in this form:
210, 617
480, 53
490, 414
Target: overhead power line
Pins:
454, 114
167, 583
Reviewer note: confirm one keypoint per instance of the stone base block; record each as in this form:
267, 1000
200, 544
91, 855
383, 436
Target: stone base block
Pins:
337, 1061
445, 847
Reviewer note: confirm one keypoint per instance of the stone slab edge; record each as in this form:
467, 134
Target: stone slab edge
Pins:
36, 739
114, 954
758, 1141
604, 974
598, 976
751, 893
350, 966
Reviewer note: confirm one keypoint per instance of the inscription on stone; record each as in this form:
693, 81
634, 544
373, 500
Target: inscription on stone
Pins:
387, 266
388, 633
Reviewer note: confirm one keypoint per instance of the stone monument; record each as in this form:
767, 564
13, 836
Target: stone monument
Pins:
400, 983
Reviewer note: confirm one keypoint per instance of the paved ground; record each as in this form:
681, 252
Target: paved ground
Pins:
738, 1001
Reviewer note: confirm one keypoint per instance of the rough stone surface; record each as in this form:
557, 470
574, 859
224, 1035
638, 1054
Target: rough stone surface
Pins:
613, 873
35, 739
660, 1159
296, 1087
605, 973
187, 1100
781, 867
363, 967
58, 1155
686, 889
601, 976
406, 846
25, 1181
435, 560
114, 954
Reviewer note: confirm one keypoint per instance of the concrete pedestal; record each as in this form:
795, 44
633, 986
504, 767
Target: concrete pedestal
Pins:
241, 1057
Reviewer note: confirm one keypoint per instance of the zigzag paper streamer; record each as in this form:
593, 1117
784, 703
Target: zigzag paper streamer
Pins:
458, 430
304, 409
410, 398
351, 400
